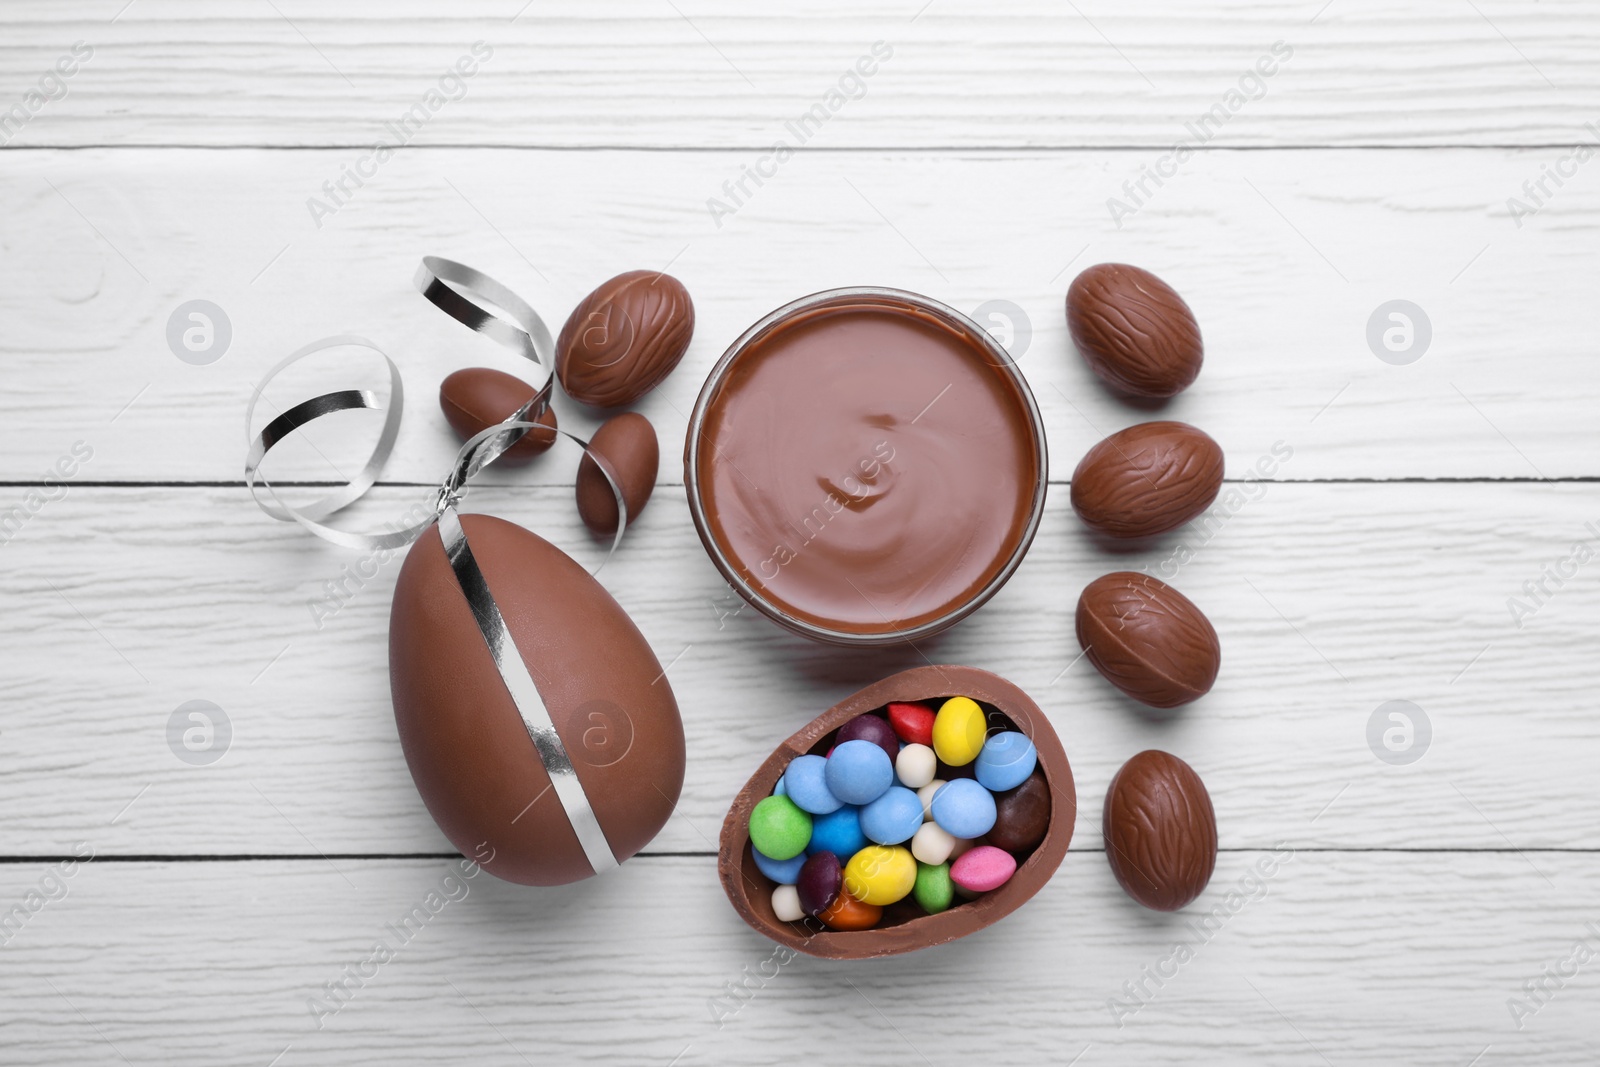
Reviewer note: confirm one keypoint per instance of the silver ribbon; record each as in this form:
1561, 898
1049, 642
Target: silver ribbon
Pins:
461, 293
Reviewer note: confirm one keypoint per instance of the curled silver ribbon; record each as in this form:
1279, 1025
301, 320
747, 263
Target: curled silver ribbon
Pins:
461, 292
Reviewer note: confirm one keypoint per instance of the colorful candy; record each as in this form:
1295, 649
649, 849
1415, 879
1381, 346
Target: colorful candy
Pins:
839, 833
915, 766
1022, 815
984, 869
912, 723
933, 890
893, 817
932, 844
786, 904
964, 808
926, 795
848, 913
1006, 761
808, 787
779, 829
958, 731
858, 772
819, 882
868, 825
780, 871
870, 728
880, 874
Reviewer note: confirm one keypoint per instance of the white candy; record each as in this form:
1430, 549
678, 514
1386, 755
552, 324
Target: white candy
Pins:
786, 904
925, 794
962, 845
915, 766
932, 844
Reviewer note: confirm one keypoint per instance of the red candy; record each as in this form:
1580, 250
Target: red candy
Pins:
912, 723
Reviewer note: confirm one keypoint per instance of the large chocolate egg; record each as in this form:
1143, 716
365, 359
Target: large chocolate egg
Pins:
578, 773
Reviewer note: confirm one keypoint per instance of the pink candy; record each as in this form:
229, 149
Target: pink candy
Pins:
983, 868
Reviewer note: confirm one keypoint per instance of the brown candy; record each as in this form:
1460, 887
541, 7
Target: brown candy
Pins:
627, 446
1134, 331
1147, 479
1022, 815
624, 338
903, 926
1160, 831
475, 398
468, 747
1148, 639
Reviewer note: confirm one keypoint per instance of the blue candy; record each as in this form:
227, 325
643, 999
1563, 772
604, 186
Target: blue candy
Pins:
784, 872
1006, 761
893, 817
858, 772
781, 789
839, 833
964, 809
807, 786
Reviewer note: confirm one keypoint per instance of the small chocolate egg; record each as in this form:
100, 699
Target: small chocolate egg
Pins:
1134, 330
480, 766
1160, 831
627, 446
624, 338
475, 398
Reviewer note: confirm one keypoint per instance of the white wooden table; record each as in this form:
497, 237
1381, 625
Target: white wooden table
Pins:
1379, 563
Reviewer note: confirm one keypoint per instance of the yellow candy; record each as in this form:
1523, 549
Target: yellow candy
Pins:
880, 874
958, 731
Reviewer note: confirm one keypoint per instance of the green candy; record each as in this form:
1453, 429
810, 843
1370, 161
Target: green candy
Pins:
934, 890
779, 829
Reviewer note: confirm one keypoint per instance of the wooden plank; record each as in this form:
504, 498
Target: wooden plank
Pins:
1332, 957
1330, 600
715, 72
1284, 256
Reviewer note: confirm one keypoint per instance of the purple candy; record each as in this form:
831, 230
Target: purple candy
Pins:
819, 882
870, 728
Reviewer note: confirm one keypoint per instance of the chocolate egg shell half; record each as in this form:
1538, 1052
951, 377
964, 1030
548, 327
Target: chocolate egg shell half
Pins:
904, 927
470, 753
475, 398
1160, 831
624, 338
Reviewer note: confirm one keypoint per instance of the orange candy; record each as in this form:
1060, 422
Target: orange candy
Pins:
848, 913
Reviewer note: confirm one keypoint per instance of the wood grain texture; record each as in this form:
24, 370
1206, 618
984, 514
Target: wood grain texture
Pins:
1329, 600
715, 72
1332, 958
1284, 256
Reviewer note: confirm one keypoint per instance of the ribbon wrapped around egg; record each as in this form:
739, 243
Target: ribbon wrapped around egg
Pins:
538, 724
